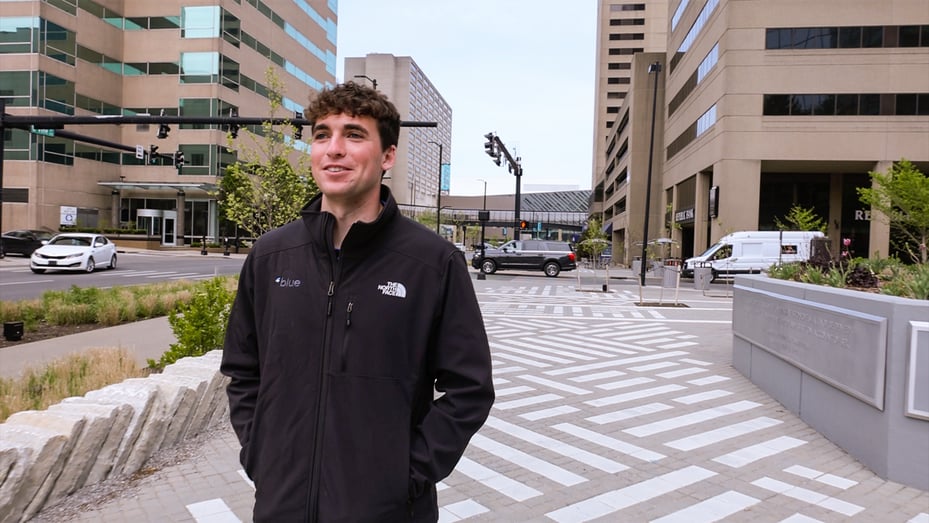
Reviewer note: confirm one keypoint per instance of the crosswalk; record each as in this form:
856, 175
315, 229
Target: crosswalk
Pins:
615, 417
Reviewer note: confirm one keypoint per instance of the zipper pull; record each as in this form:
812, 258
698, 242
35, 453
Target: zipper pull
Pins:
330, 293
348, 315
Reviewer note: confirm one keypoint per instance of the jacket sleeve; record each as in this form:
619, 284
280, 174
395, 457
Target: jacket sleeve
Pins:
240, 360
461, 365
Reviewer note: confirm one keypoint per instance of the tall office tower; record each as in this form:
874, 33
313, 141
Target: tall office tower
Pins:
624, 29
762, 106
64, 57
775, 104
414, 179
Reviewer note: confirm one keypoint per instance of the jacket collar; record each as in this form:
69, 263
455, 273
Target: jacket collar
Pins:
362, 236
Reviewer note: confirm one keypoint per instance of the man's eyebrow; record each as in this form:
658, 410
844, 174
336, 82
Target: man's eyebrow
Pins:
355, 127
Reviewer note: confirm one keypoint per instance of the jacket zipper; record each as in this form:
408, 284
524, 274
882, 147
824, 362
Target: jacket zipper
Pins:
321, 399
343, 351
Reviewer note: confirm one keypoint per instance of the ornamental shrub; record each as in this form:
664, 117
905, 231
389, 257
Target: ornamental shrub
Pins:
200, 324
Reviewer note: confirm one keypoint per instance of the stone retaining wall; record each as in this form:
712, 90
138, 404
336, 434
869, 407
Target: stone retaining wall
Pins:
47, 455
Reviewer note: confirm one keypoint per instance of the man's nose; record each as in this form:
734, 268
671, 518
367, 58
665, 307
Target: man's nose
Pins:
336, 146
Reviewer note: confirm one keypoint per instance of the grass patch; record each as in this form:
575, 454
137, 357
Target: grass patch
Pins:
204, 304
73, 375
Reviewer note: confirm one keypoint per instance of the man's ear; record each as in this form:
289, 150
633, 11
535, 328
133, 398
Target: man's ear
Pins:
389, 158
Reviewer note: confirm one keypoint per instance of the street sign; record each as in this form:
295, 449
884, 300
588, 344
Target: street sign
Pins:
140, 152
43, 132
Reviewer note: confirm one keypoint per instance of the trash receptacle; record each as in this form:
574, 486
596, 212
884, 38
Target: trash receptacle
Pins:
669, 277
702, 278
637, 265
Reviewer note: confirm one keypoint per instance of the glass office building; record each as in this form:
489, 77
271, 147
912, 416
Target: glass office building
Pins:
81, 57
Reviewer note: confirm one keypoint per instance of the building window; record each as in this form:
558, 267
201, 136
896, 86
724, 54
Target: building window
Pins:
199, 68
706, 120
200, 22
870, 104
847, 37
19, 34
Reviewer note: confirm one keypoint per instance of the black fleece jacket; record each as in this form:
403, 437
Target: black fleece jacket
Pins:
358, 377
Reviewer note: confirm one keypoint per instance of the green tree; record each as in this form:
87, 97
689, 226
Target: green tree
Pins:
901, 196
593, 240
801, 219
264, 188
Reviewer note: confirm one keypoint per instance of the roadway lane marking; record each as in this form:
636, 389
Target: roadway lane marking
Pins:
527, 461
558, 447
212, 511
4, 284
713, 509
508, 487
614, 501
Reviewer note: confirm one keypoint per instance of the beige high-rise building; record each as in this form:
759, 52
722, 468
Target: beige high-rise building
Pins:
414, 179
624, 29
768, 105
111, 57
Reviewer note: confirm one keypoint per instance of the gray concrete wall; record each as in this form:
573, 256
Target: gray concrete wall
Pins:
851, 364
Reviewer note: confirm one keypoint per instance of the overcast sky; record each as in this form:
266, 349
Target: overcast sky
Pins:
521, 68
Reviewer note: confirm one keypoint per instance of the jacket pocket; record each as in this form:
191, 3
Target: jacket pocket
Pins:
366, 453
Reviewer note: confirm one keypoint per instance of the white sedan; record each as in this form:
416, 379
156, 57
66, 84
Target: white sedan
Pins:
74, 252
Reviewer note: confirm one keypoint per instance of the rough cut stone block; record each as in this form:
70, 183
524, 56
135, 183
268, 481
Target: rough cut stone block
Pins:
140, 400
85, 452
50, 441
14, 460
121, 414
178, 396
88, 434
153, 425
206, 368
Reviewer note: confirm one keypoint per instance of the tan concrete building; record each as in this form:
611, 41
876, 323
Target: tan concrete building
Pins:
624, 29
113, 57
775, 104
414, 179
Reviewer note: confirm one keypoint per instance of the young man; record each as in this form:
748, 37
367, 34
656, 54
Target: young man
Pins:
346, 323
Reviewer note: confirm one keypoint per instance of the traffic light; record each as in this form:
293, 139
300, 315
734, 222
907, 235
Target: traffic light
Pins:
178, 160
163, 128
298, 129
152, 153
233, 127
523, 225
489, 146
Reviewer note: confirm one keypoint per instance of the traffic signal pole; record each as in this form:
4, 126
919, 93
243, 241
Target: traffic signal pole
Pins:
494, 148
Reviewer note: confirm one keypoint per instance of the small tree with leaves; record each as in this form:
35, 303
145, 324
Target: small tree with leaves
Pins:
593, 241
265, 188
801, 219
901, 196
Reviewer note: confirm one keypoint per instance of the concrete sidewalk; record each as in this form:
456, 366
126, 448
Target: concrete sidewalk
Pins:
142, 339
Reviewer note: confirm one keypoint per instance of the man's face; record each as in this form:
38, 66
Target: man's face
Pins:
347, 158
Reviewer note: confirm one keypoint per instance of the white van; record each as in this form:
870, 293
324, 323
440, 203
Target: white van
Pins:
752, 252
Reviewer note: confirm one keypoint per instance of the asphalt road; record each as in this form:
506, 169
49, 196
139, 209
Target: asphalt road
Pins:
17, 282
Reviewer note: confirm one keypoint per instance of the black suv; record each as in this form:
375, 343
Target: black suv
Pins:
551, 257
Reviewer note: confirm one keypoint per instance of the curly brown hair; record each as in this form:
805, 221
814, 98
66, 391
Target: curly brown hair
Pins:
357, 100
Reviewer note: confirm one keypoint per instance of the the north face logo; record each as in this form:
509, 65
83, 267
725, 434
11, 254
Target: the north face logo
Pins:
392, 288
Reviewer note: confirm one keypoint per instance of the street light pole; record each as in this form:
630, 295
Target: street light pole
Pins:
655, 67
438, 192
483, 217
373, 81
